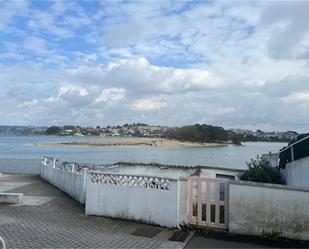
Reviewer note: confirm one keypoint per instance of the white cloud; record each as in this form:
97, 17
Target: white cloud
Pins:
148, 105
233, 64
111, 94
141, 76
299, 97
81, 91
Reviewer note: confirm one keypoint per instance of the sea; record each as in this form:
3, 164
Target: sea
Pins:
230, 156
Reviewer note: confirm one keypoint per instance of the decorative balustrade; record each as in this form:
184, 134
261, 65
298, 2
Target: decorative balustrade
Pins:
99, 177
130, 180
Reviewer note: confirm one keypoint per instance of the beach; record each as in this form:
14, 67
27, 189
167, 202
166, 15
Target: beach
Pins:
143, 142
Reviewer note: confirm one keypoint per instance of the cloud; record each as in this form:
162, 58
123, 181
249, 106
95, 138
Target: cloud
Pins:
298, 97
141, 76
241, 64
148, 105
10, 10
111, 95
289, 24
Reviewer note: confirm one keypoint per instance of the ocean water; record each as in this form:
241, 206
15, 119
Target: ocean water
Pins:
231, 156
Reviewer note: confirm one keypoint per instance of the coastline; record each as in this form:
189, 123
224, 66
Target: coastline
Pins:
139, 142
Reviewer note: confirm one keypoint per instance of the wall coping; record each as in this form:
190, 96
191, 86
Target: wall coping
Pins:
115, 174
268, 185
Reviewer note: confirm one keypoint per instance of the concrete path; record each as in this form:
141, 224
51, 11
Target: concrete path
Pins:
48, 218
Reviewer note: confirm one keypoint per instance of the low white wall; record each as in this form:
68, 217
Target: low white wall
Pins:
73, 184
14, 198
297, 172
256, 208
31, 166
145, 204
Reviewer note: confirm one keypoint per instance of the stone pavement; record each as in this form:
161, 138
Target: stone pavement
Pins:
48, 218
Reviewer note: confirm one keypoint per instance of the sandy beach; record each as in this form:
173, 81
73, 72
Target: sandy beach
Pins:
144, 142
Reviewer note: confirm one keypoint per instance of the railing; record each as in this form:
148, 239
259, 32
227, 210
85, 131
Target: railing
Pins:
130, 180
73, 167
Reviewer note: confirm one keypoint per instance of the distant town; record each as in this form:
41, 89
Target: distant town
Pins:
145, 130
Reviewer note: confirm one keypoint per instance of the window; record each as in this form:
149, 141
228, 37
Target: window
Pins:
230, 177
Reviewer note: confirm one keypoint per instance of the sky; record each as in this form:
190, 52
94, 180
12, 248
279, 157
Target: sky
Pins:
237, 64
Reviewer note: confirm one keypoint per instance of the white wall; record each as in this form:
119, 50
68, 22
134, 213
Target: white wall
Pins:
297, 173
149, 170
257, 208
31, 166
182, 201
73, 184
211, 173
154, 206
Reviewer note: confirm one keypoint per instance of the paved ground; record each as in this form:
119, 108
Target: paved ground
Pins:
48, 218
222, 240
51, 219
199, 241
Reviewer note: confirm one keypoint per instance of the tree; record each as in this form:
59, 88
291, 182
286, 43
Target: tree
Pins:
236, 139
53, 130
260, 170
198, 133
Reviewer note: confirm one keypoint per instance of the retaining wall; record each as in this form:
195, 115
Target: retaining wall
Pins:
74, 184
268, 209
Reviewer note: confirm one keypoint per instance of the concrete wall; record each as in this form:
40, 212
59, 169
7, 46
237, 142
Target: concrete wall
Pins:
182, 201
297, 173
155, 206
212, 173
257, 208
32, 166
149, 170
12, 198
73, 184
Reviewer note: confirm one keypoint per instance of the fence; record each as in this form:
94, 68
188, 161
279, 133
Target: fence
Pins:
68, 177
31, 166
149, 199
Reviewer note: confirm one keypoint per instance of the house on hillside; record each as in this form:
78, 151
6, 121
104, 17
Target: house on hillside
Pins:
294, 162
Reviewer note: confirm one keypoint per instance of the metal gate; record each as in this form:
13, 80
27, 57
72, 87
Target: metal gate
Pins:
208, 202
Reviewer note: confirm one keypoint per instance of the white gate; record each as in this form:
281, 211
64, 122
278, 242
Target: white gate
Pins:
208, 202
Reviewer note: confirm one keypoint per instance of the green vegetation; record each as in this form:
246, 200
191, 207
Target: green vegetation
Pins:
260, 170
237, 139
53, 130
198, 133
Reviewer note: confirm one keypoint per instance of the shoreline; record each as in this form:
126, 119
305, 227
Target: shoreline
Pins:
138, 142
